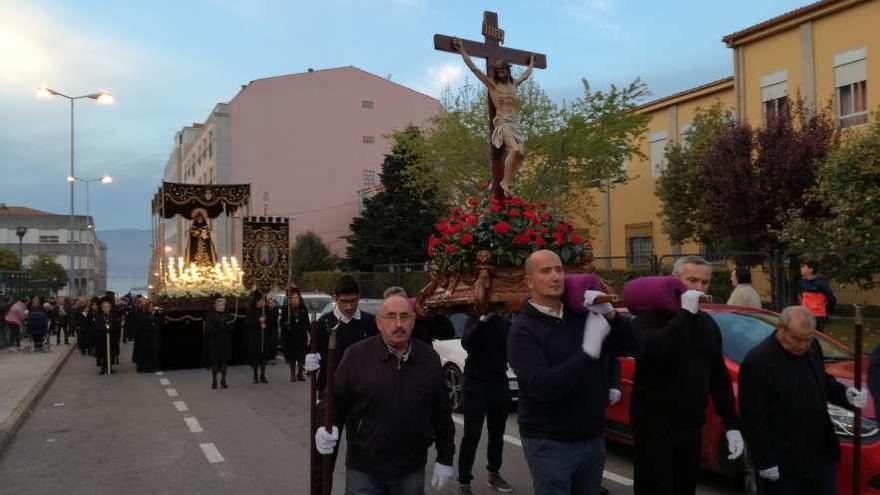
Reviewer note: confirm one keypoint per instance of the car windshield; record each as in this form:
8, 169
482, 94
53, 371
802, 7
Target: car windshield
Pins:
315, 303
740, 333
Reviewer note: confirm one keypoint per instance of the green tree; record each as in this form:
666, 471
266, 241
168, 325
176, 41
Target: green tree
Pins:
309, 253
396, 222
679, 189
45, 270
747, 179
570, 148
8, 259
845, 242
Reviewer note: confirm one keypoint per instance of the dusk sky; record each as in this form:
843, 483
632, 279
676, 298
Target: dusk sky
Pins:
168, 62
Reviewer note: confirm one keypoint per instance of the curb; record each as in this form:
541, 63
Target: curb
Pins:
10, 427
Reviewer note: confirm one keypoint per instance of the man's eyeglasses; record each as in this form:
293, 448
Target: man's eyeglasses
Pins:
401, 317
348, 301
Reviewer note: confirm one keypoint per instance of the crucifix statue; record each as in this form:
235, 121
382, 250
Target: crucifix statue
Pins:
505, 127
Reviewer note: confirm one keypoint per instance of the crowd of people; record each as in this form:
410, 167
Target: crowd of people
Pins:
389, 396
390, 400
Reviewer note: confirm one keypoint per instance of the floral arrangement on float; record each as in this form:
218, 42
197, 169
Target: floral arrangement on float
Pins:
188, 282
478, 251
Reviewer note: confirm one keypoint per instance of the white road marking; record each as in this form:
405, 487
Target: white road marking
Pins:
50, 440
58, 404
193, 425
181, 406
608, 475
211, 453
172, 392
165, 381
160, 373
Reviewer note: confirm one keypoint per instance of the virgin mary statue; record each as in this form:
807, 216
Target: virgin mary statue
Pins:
200, 248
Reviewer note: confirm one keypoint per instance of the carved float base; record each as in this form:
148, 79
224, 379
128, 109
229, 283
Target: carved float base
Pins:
455, 293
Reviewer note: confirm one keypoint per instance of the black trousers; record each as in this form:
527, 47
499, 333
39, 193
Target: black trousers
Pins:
14, 334
489, 400
667, 460
822, 482
317, 471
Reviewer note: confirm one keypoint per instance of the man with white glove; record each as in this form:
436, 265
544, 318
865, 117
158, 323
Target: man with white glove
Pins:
783, 395
391, 395
679, 367
559, 357
326, 441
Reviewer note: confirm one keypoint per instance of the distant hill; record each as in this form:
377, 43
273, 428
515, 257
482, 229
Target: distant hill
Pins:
128, 257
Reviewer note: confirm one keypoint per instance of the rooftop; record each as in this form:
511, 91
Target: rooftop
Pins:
787, 20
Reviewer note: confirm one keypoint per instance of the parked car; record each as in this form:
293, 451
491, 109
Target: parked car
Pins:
315, 302
452, 357
741, 330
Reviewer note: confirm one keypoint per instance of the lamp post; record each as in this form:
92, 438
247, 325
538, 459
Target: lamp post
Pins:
103, 97
104, 179
20, 231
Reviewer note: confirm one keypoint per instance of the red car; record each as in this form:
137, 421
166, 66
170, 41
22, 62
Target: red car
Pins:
741, 330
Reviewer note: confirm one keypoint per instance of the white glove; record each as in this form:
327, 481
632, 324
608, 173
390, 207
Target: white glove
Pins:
595, 331
771, 473
857, 398
442, 474
690, 300
312, 363
326, 441
602, 309
735, 444
613, 396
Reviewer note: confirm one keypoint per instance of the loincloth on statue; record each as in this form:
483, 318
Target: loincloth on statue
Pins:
507, 126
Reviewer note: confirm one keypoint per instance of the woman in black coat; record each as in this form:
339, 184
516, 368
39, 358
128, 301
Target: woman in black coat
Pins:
257, 329
106, 323
294, 333
218, 328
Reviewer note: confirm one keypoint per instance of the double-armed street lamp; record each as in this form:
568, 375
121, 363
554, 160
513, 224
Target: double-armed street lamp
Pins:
20, 231
102, 97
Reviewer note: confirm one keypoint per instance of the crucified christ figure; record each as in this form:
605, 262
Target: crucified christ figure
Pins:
508, 128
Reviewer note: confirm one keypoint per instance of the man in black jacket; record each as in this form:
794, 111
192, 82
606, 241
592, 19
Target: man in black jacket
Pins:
557, 358
391, 393
486, 395
351, 326
679, 364
783, 393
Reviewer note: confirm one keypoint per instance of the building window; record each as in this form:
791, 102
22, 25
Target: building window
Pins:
658, 153
368, 104
850, 80
774, 95
639, 245
369, 139
48, 238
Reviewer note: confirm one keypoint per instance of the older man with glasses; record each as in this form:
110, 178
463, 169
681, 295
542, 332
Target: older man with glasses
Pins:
391, 393
783, 395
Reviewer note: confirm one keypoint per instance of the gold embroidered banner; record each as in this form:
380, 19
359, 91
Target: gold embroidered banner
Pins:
266, 253
181, 199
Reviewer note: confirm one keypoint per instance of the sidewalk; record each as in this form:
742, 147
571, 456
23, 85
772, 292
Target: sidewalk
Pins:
23, 379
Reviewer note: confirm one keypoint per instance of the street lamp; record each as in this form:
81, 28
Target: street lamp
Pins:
20, 231
104, 179
102, 97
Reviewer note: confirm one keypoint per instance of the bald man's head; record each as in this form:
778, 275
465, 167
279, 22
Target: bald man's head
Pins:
545, 277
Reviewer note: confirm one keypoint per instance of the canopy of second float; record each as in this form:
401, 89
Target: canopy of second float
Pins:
181, 199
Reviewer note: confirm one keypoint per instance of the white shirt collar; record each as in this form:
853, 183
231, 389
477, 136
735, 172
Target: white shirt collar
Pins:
548, 310
345, 319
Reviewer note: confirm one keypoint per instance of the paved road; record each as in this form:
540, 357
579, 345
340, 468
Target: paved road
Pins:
143, 433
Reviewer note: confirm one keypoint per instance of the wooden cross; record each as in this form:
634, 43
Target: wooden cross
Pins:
491, 50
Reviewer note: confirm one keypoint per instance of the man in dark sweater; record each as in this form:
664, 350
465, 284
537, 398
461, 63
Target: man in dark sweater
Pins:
679, 364
351, 326
784, 392
391, 393
557, 358
486, 395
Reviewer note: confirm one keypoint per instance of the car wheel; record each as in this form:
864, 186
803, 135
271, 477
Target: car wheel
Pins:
454, 386
750, 479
